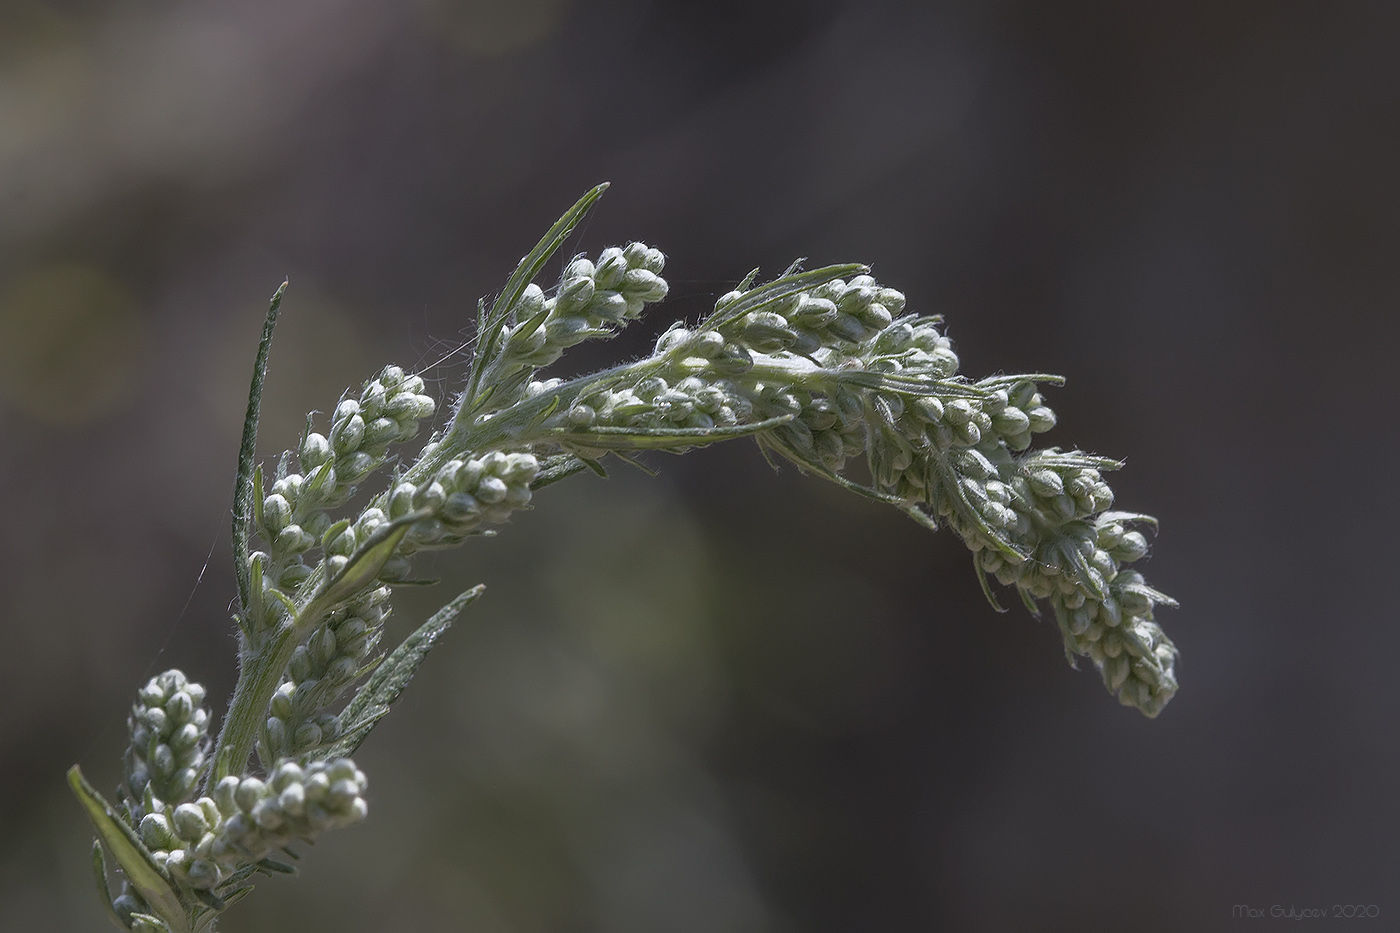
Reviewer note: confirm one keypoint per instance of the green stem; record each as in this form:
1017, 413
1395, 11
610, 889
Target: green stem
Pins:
259, 674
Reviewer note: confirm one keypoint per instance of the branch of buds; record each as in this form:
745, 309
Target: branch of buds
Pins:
824, 368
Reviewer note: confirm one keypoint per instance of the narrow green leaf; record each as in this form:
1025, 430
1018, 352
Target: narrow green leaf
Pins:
258, 521
920, 517
634, 462
1128, 517
1029, 602
285, 600
634, 438
99, 871
785, 287
1011, 379
152, 919
993, 537
544, 413
243, 486
280, 867
984, 582
254, 601
558, 467
1070, 550
361, 570
906, 385
131, 854
533, 324
210, 899
388, 681
316, 482
333, 532
489, 326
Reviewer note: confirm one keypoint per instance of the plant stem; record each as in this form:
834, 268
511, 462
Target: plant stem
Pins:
259, 673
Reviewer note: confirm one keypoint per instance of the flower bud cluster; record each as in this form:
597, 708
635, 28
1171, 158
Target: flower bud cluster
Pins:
295, 802
169, 728
847, 377
462, 495
201, 843
389, 410
1037, 521
828, 428
933, 439
838, 313
182, 839
912, 345
329, 661
594, 299
693, 401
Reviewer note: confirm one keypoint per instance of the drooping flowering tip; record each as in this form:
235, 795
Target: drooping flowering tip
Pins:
168, 728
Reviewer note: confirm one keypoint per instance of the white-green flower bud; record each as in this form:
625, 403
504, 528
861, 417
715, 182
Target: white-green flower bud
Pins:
286, 773
342, 670
307, 735
612, 266
283, 701
642, 285
276, 513
401, 500
354, 466
189, 822
491, 490
347, 434
1045, 482
293, 539
1041, 419
1011, 420
732, 360
574, 294
580, 267
248, 793
460, 507
163, 761
1132, 546
276, 734
401, 407
186, 738
266, 814
531, 302
289, 487
292, 800
182, 782
156, 831
959, 411
322, 646
315, 450
430, 496
674, 337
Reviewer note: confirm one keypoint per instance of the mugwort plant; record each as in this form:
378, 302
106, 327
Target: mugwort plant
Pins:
825, 368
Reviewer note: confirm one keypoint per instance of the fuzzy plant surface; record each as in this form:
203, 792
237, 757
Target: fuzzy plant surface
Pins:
825, 368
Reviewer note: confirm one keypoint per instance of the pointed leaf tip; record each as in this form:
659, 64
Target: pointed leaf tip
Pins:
131, 854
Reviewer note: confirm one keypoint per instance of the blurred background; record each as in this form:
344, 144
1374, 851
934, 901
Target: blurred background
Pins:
724, 699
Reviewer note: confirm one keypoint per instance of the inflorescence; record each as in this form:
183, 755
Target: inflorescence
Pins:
824, 368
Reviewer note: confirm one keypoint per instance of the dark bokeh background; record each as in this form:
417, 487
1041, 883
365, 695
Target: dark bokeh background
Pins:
723, 699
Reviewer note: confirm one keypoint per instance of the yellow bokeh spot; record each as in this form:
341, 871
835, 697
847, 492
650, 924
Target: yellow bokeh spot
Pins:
69, 344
